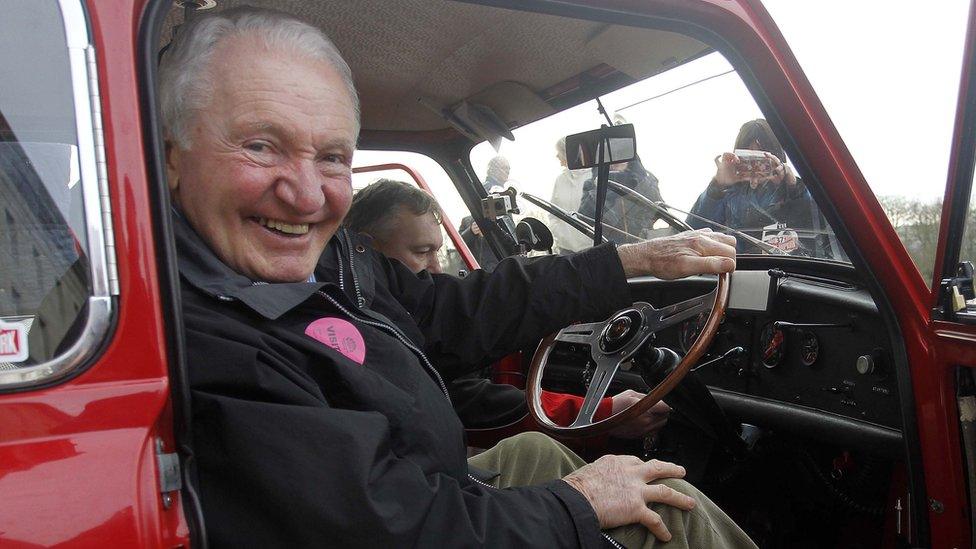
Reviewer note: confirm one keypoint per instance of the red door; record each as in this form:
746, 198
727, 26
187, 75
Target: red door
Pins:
945, 393
86, 427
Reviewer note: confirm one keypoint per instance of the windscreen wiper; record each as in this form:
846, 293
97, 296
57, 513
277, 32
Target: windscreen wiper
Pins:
565, 216
635, 196
765, 246
591, 221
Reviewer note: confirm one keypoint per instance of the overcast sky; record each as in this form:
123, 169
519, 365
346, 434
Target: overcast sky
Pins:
887, 73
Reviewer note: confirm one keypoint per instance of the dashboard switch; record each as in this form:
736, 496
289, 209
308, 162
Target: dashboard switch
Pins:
866, 365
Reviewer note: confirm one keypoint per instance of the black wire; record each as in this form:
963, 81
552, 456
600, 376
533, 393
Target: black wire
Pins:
707, 78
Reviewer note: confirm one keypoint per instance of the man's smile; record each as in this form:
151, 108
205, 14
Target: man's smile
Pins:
282, 228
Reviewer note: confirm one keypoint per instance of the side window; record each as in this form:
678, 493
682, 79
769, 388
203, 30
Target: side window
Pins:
54, 274
706, 158
898, 128
423, 172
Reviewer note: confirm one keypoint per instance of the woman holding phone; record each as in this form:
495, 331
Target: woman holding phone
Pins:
753, 188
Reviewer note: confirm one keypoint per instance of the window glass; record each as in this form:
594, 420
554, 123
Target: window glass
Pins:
893, 100
705, 156
44, 273
449, 201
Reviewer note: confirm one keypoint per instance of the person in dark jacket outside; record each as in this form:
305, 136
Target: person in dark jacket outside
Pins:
404, 223
776, 198
476, 242
621, 212
318, 415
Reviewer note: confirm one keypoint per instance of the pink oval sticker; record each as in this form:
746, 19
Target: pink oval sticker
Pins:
339, 334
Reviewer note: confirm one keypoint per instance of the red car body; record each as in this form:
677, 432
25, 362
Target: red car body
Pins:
78, 460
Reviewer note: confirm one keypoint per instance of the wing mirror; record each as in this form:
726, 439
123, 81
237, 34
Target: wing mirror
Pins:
603, 146
533, 234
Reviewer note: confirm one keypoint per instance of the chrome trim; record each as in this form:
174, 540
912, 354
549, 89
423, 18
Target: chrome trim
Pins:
101, 166
98, 220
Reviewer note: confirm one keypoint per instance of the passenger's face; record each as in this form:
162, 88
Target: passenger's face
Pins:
267, 179
414, 240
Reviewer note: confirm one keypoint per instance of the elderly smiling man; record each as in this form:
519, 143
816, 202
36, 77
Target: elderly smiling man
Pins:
317, 366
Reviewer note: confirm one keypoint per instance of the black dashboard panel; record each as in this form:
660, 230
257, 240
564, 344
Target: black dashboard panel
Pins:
821, 394
813, 366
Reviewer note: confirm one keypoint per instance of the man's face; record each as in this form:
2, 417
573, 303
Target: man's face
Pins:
267, 179
414, 240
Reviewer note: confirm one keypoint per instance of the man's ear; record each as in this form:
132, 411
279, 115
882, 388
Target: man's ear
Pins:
173, 158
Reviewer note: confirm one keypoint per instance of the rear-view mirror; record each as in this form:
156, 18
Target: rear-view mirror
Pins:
606, 145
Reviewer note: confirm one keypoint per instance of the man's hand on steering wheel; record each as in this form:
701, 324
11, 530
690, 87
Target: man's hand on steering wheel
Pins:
648, 423
684, 254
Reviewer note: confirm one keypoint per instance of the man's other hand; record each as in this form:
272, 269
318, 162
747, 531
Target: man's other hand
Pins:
677, 256
647, 423
617, 488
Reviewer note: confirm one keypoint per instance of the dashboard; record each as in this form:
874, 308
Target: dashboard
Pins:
816, 359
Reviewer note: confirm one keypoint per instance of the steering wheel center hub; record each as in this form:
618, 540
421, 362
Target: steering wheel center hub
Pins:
621, 330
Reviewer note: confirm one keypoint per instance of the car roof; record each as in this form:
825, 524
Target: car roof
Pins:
412, 60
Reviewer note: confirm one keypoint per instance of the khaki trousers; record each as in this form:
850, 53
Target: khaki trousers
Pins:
533, 458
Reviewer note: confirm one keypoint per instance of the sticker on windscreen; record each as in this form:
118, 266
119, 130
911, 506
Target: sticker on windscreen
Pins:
780, 236
13, 342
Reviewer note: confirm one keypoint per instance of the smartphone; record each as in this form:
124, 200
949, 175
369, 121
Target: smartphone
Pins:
753, 164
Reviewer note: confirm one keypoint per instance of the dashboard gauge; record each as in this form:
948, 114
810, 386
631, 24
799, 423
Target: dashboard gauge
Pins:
690, 330
772, 346
809, 348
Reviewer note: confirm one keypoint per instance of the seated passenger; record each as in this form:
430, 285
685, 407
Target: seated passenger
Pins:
405, 224
777, 197
318, 416
620, 212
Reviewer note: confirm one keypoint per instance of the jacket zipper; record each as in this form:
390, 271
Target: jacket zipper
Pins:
481, 482
403, 339
396, 333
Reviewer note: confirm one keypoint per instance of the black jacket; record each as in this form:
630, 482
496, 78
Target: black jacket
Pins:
318, 420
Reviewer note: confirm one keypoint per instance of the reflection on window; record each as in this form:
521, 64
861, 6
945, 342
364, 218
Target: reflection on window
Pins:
44, 273
705, 158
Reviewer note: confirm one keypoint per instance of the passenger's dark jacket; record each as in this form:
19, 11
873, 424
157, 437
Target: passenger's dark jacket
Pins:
298, 444
740, 206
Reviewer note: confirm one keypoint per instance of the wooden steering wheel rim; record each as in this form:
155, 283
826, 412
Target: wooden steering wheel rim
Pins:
539, 359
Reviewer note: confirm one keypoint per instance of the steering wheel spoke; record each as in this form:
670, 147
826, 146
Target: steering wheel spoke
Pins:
602, 376
658, 319
581, 333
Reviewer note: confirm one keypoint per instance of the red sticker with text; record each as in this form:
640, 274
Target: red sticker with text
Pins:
13, 342
339, 334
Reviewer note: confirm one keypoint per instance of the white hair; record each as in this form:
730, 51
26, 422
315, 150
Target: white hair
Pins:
186, 81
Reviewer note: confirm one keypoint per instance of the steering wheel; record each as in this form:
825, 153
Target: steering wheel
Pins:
612, 342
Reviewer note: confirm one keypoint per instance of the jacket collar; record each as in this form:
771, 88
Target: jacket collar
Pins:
201, 268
